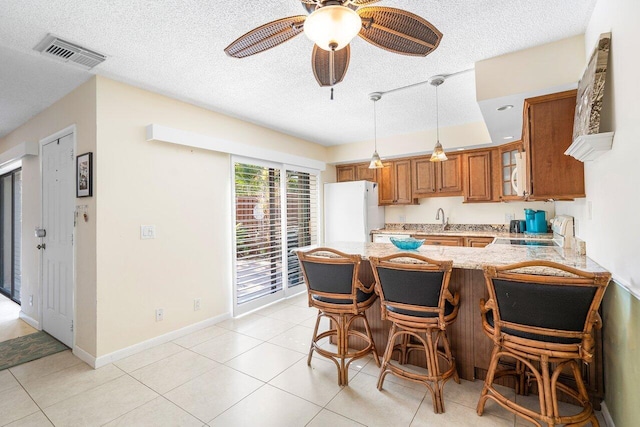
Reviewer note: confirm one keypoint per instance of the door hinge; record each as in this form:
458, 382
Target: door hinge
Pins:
72, 154
72, 238
72, 326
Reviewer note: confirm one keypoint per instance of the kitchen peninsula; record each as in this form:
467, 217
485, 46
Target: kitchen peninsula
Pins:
471, 347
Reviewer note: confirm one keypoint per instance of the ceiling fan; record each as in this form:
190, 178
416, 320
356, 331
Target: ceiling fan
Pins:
332, 24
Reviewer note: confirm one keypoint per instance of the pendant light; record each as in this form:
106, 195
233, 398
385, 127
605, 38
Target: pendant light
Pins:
438, 154
376, 163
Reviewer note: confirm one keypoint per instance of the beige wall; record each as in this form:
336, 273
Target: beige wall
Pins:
452, 137
185, 193
79, 109
530, 70
611, 181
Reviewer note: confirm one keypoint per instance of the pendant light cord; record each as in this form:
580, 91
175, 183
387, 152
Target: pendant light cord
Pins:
437, 118
375, 128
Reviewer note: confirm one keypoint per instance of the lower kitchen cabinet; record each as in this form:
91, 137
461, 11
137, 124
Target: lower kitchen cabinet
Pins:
477, 242
430, 239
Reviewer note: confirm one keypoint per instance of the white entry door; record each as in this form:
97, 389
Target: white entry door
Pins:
57, 246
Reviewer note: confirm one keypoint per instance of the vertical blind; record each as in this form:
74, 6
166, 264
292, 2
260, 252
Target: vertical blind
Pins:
261, 244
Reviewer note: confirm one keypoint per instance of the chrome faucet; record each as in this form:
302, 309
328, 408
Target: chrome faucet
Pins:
445, 221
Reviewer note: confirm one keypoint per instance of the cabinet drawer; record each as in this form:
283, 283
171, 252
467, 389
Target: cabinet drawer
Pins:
430, 239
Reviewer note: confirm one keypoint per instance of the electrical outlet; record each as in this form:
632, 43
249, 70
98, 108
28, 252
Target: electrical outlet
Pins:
589, 210
402, 218
196, 304
147, 232
508, 217
159, 314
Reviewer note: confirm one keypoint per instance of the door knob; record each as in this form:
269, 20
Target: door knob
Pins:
42, 246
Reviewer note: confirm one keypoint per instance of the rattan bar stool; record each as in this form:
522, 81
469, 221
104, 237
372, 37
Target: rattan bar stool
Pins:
334, 289
414, 295
544, 322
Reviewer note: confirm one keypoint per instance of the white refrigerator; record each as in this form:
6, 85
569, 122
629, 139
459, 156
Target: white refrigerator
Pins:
351, 211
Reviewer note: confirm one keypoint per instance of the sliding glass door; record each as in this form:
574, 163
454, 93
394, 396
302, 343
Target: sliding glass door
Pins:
275, 210
10, 234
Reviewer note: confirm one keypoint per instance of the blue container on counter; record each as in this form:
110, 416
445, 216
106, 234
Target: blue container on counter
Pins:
536, 221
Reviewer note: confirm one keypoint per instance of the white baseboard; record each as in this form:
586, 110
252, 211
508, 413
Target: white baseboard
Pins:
136, 348
30, 320
607, 415
84, 356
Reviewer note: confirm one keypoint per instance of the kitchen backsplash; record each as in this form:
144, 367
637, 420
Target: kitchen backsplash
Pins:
499, 228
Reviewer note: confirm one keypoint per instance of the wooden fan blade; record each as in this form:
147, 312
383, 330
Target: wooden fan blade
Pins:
266, 36
398, 31
361, 3
329, 72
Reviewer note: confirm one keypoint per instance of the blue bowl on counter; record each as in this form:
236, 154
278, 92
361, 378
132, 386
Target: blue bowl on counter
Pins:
408, 243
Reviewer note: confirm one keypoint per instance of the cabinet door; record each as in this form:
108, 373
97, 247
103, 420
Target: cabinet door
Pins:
386, 185
507, 155
424, 177
345, 173
449, 175
477, 242
430, 239
402, 171
550, 132
478, 177
363, 173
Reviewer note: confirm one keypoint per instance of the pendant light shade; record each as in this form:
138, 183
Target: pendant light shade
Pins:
438, 154
332, 27
375, 163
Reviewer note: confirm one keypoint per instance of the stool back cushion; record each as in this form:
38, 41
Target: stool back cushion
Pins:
330, 278
561, 307
421, 288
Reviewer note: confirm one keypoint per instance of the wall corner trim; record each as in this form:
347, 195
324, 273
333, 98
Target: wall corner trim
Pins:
157, 132
29, 148
84, 356
101, 361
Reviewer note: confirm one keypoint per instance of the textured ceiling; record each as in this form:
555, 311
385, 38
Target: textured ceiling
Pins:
175, 47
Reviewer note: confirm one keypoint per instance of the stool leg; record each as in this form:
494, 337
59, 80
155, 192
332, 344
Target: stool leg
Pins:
314, 337
342, 348
387, 355
447, 351
488, 381
370, 335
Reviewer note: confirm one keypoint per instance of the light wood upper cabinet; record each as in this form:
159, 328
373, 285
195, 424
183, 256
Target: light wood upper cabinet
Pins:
436, 178
449, 175
355, 172
363, 173
345, 173
547, 133
477, 175
395, 183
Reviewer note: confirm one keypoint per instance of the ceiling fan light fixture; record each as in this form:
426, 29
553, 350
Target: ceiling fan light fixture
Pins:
332, 27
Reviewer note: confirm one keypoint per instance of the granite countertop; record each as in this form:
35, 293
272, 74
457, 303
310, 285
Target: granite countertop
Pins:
476, 258
465, 233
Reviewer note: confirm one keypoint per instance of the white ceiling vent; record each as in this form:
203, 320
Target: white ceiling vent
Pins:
65, 51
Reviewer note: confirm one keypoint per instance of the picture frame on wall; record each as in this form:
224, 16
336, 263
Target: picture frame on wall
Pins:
84, 175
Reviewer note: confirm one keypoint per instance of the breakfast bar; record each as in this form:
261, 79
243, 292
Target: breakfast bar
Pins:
471, 347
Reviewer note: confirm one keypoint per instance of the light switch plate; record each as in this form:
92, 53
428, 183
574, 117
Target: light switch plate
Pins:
147, 232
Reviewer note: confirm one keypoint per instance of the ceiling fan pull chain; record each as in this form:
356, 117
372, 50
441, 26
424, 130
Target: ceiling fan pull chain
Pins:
332, 94
332, 64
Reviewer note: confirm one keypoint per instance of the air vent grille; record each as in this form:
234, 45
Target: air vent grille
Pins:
65, 51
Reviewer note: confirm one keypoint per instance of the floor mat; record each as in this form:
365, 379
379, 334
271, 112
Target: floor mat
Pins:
27, 348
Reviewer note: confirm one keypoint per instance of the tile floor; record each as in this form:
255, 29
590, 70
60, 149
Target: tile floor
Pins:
250, 371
